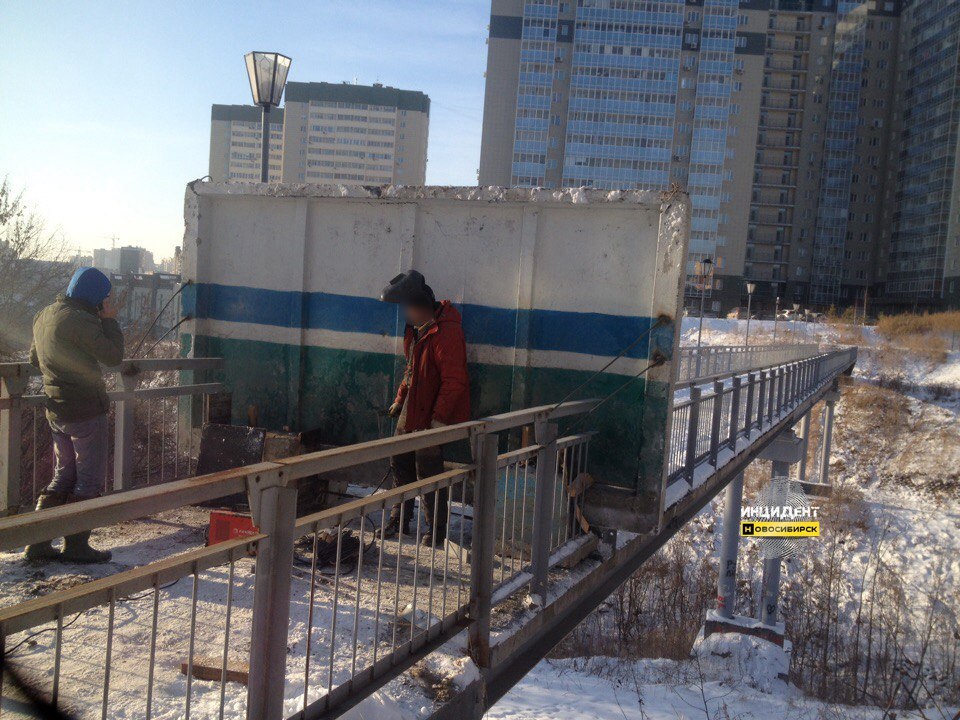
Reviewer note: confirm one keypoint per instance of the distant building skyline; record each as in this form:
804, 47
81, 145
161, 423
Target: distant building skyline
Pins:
818, 155
326, 133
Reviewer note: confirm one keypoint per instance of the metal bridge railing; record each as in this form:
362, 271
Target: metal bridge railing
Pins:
707, 426
355, 609
716, 361
147, 445
318, 609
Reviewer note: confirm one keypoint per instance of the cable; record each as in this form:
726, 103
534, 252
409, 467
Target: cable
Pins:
9, 653
619, 355
158, 316
655, 363
160, 339
130, 598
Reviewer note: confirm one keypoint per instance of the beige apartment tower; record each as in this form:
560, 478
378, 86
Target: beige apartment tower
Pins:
327, 133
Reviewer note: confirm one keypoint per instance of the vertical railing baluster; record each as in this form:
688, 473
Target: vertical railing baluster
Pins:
546, 478
481, 555
715, 422
693, 428
734, 413
761, 400
11, 426
124, 435
276, 515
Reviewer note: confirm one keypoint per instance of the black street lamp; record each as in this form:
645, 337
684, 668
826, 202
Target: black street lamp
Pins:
751, 287
705, 271
268, 76
776, 308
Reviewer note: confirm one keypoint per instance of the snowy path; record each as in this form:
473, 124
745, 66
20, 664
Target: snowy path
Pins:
357, 636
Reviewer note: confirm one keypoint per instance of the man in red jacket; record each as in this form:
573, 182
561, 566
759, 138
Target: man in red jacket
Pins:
434, 392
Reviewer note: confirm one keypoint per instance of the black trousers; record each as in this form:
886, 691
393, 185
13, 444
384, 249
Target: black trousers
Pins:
410, 467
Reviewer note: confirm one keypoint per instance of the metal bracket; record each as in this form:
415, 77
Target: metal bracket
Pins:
257, 483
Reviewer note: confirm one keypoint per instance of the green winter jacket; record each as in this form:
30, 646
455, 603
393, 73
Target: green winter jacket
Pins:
70, 342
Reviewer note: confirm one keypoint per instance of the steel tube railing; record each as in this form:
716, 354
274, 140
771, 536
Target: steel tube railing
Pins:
717, 362
381, 601
146, 447
423, 592
716, 414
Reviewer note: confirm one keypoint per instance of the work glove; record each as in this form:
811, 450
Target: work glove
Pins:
395, 409
437, 424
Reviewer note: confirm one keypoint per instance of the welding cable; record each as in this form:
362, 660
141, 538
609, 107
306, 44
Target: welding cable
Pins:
157, 318
160, 339
654, 363
131, 598
660, 321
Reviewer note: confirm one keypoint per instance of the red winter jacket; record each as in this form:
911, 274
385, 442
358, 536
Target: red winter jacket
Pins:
437, 388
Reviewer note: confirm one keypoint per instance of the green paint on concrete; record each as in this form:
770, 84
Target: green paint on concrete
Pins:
344, 392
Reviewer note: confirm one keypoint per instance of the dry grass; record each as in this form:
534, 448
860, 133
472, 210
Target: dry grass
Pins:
927, 336
897, 326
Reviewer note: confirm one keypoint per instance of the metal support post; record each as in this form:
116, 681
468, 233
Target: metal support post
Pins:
762, 401
792, 385
276, 516
772, 393
546, 436
748, 413
729, 548
770, 593
805, 437
482, 550
825, 445
124, 435
715, 421
11, 390
693, 431
734, 413
781, 386
265, 144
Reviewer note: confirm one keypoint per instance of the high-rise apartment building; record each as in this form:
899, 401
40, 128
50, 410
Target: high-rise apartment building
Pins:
777, 116
327, 133
922, 200
235, 132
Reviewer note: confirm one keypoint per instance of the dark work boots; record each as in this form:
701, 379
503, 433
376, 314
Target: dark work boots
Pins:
43, 551
76, 548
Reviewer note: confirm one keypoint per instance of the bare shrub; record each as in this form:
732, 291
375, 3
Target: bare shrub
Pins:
33, 269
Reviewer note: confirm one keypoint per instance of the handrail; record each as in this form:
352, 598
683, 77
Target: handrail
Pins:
128, 366
20, 530
729, 360
533, 517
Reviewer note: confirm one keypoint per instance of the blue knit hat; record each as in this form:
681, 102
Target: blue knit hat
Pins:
90, 285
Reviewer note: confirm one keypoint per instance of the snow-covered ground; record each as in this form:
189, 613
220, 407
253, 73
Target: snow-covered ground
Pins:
607, 689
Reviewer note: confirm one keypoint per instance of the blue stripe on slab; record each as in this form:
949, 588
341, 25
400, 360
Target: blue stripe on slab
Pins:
587, 333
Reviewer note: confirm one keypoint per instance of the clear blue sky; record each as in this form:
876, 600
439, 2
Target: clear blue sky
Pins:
106, 105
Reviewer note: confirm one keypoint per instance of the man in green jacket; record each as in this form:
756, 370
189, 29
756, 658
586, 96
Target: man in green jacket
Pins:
71, 339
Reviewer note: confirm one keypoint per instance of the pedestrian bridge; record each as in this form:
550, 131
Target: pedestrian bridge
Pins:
311, 615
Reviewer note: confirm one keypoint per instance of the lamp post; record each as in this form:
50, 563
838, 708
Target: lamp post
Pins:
776, 310
796, 314
703, 271
268, 76
751, 286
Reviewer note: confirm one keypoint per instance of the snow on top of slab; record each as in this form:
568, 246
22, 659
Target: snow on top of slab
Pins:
490, 194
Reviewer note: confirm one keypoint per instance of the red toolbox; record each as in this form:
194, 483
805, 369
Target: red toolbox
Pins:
228, 525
